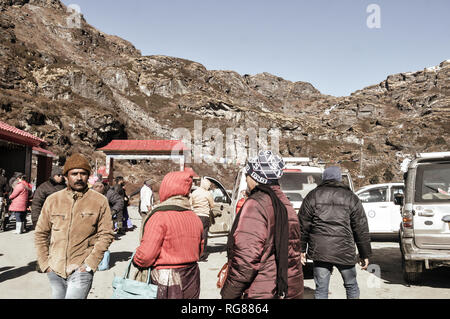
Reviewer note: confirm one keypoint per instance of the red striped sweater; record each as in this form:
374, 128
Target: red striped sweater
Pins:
171, 239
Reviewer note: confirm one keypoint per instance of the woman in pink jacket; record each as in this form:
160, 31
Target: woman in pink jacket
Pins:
19, 203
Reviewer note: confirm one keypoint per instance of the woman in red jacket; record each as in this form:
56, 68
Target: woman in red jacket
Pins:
19, 203
172, 241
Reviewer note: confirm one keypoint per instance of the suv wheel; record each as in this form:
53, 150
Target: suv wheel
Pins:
412, 273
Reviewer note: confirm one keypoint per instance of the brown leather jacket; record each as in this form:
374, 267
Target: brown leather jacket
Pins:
78, 227
252, 268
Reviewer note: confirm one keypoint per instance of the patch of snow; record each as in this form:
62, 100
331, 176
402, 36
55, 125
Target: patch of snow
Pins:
433, 69
328, 112
145, 90
353, 140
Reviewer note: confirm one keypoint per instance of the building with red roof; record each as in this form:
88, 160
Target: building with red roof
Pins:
17, 149
173, 150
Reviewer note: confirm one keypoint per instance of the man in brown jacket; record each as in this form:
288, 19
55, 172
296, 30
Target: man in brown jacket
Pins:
73, 232
264, 256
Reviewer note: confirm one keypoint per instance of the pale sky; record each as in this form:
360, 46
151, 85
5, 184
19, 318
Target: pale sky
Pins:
326, 43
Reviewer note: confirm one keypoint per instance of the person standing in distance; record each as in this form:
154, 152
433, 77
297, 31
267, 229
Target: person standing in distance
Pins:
202, 204
4, 188
53, 185
332, 221
115, 201
73, 232
146, 198
19, 202
121, 217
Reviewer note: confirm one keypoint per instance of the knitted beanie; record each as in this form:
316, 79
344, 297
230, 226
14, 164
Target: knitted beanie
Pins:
56, 171
265, 168
77, 161
332, 173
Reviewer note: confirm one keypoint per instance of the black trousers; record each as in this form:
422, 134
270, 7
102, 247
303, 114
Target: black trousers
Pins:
206, 221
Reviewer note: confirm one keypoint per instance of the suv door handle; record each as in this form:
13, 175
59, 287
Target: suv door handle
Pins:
426, 213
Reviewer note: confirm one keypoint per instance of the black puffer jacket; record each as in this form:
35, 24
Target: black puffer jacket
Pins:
332, 221
4, 186
115, 201
40, 195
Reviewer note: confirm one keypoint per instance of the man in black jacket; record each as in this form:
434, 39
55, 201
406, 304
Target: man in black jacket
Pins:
122, 216
4, 188
332, 221
114, 199
55, 184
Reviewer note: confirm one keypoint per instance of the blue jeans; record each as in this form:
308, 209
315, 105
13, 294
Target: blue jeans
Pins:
21, 217
76, 286
322, 274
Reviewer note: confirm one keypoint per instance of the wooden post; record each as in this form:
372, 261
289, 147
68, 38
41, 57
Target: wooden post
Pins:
44, 169
110, 169
28, 162
182, 163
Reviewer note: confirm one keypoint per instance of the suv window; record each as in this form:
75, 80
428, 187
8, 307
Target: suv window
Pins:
396, 190
293, 181
296, 185
374, 195
433, 183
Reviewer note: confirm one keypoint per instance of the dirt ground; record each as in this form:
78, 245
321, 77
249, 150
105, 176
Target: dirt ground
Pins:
19, 279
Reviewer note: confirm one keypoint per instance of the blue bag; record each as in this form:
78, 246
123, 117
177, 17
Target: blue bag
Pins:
104, 264
124, 288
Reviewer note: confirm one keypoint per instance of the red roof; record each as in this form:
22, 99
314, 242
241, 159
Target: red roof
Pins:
13, 134
43, 152
144, 146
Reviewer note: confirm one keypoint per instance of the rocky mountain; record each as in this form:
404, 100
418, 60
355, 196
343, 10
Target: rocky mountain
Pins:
79, 88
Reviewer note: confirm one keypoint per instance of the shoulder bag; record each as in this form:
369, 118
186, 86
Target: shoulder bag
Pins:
125, 288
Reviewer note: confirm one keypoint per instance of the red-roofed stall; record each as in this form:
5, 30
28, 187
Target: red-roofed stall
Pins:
17, 148
173, 150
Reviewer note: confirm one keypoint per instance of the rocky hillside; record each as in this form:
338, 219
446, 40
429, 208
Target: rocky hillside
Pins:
79, 88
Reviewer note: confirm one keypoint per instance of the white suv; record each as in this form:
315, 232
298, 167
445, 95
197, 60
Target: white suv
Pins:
425, 227
382, 214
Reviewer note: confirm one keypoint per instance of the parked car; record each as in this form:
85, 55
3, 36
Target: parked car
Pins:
347, 179
425, 227
383, 215
222, 209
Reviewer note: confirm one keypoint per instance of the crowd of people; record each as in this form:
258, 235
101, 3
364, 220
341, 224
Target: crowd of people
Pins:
77, 216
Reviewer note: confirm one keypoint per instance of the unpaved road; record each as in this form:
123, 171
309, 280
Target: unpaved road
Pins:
19, 280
